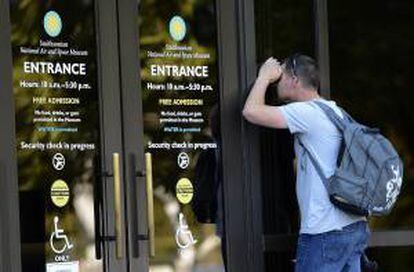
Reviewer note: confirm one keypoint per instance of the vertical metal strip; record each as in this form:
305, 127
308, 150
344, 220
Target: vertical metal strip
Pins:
322, 44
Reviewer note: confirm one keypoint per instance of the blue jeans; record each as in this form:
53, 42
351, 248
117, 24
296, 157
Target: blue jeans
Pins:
333, 251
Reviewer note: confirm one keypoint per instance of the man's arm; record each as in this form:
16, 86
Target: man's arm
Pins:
255, 110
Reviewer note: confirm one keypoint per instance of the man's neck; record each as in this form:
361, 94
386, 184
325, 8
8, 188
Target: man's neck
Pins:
307, 95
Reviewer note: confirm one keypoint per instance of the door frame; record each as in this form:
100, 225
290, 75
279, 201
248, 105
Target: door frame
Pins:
240, 140
133, 135
106, 29
9, 224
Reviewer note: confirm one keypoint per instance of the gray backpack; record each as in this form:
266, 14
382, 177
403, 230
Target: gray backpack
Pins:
368, 177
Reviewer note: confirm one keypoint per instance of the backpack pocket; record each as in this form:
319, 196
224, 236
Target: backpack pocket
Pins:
348, 192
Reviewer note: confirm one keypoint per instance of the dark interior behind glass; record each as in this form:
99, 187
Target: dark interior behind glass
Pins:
371, 60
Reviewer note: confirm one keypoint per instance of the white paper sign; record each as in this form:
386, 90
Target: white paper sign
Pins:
63, 267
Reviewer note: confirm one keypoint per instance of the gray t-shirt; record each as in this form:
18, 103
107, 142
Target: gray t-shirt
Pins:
308, 122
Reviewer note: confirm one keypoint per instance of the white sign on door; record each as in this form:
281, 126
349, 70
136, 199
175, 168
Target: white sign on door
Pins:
63, 267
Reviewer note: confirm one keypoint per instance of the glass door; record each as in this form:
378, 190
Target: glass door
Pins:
68, 136
176, 86
117, 135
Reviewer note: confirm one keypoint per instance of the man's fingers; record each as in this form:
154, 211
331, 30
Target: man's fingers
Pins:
272, 61
273, 64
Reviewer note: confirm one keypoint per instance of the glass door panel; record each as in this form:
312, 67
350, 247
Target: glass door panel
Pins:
179, 89
58, 137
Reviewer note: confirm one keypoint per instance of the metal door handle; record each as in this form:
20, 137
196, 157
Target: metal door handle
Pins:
117, 200
150, 204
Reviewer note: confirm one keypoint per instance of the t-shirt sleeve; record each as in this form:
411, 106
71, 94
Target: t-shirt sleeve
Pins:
298, 116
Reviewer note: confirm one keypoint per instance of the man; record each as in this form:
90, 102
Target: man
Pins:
330, 240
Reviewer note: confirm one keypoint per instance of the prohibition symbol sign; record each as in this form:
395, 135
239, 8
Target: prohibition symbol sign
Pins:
183, 160
58, 161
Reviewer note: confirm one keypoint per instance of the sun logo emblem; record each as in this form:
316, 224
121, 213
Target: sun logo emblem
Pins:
177, 28
52, 23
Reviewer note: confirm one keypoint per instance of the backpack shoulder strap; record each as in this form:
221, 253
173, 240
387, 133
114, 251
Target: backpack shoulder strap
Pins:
347, 116
340, 123
315, 163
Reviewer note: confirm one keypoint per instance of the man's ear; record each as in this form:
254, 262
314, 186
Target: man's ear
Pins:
296, 80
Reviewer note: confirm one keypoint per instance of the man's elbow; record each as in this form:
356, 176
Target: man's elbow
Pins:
249, 114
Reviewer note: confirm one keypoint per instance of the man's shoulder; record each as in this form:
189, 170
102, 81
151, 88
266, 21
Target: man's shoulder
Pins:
332, 104
299, 106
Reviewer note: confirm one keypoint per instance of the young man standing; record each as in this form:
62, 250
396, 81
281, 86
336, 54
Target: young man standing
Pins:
330, 240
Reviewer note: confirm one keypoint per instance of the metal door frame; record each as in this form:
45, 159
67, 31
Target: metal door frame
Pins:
111, 126
240, 144
9, 223
133, 136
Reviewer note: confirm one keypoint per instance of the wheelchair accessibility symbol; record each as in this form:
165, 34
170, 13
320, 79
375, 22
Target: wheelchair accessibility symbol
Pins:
183, 236
59, 241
